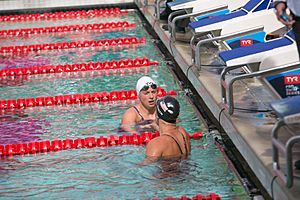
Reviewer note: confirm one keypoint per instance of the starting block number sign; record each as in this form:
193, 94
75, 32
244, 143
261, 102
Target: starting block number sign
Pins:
286, 84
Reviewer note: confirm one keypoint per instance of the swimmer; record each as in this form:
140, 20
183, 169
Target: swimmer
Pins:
173, 141
141, 117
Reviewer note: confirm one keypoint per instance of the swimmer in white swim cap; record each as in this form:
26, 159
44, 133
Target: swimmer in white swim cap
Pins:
141, 117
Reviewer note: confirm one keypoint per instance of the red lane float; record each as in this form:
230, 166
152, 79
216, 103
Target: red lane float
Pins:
211, 196
68, 99
89, 142
117, 42
107, 65
196, 136
106, 12
78, 27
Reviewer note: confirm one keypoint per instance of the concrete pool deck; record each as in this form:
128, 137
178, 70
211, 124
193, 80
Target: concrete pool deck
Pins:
250, 132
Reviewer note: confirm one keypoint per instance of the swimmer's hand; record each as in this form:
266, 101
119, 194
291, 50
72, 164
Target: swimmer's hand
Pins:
151, 124
145, 122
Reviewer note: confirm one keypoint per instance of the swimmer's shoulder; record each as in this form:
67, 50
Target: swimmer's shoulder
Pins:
160, 142
155, 147
182, 130
130, 115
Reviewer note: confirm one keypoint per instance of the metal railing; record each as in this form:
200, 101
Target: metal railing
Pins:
197, 58
157, 9
180, 15
229, 102
286, 149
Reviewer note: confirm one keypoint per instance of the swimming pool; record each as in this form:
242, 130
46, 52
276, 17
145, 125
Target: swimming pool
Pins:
97, 173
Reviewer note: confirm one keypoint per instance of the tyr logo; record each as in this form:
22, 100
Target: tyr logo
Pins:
246, 42
294, 79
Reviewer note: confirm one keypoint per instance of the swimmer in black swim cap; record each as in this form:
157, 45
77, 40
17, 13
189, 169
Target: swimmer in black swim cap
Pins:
168, 109
173, 141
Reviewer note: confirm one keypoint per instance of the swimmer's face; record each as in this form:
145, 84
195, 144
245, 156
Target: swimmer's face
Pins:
148, 97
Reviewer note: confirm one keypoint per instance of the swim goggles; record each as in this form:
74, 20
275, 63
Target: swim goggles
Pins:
148, 85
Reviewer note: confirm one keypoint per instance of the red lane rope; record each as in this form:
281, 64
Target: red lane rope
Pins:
95, 97
76, 44
106, 65
35, 79
211, 196
78, 27
63, 15
89, 142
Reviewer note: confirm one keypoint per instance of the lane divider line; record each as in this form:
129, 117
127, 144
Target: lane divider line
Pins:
68, 99
88, 142
109, 26
106, 12
50, 69
115, 42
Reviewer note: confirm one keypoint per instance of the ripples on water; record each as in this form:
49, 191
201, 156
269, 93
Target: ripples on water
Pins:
111, 173
106, 173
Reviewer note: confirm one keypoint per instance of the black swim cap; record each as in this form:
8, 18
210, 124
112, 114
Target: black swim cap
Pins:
168, 109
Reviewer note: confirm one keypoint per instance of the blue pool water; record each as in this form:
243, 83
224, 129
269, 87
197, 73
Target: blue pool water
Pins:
97, 173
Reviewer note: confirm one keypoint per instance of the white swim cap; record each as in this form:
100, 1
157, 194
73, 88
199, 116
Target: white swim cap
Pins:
145, 81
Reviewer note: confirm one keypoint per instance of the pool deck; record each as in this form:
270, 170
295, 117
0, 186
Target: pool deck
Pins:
250, 132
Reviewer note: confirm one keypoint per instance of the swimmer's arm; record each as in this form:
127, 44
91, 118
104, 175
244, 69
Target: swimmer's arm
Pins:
154, 150
187, 136
155, 126
152, 153
128, 121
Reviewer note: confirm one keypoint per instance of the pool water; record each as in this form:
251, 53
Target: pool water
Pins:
97, 173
